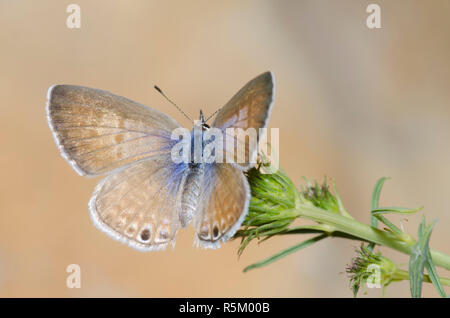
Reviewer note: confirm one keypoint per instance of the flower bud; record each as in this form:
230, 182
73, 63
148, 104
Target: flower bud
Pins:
372, 269
272, 206
320, 196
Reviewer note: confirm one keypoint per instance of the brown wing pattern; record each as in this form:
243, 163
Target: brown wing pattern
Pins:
249, 108
98, 132
139, 205
223, 204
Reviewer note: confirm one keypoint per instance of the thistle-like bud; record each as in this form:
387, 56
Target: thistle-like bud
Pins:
272, 205
320, 196
372, 269
272, 192
275, 202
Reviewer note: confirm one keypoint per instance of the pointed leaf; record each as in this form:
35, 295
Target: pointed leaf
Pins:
286, 252
418, 259
375, 202
397, 210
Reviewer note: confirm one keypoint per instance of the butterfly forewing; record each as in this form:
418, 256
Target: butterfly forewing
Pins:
249, 108
98, 132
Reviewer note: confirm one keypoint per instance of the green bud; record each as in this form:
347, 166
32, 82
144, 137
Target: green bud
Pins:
319, 196
272, 206
370, 268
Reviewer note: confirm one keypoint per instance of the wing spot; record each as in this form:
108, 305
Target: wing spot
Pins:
119, 138
215, 232
163, 234
204, 232
120, 222
145, 235
131, 230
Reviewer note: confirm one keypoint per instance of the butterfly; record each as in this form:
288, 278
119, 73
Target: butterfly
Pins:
146, 197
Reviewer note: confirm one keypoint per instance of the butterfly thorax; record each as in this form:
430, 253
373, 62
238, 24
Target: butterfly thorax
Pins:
199, 140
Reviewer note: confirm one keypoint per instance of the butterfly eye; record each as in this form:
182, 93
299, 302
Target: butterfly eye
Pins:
205, 127
145, 235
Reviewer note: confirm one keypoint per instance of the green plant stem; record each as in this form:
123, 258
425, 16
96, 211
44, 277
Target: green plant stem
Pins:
404, 275
400, 242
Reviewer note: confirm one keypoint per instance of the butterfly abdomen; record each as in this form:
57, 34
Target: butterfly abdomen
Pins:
191, 192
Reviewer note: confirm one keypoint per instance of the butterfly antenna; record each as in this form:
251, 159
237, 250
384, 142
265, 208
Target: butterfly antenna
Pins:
213, 114
168, 99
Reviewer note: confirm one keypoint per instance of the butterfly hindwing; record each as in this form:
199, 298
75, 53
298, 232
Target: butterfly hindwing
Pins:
139, 204
223, 204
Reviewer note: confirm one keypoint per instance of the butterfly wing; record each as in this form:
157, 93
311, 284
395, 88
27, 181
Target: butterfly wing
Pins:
226, 193
223, 204
139, 204
249, 108
98, 132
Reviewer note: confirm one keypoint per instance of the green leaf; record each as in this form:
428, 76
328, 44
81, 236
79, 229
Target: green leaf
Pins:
339, 202
389, 224
286, 252
419, 256
375, 202
397, 210
376, 198
377, 212
432, 273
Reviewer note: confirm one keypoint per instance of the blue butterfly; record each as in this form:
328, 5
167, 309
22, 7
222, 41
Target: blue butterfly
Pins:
147, 197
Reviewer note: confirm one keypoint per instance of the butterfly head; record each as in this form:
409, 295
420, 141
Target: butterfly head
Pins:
203, 123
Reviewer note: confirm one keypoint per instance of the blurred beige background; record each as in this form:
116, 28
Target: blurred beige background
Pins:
351, 103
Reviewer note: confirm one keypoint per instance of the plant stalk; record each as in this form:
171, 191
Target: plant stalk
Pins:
400, 242
401, 274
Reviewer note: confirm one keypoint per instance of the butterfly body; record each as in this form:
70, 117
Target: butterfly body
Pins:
193, 187
146, 197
